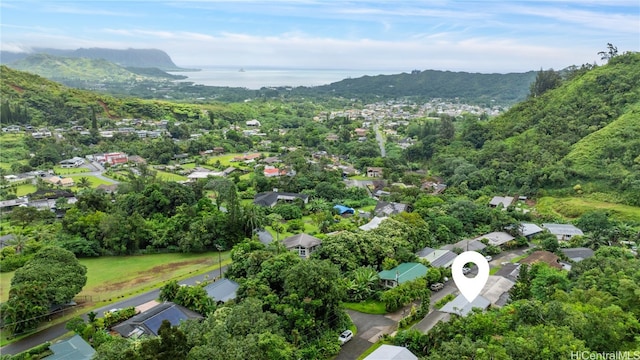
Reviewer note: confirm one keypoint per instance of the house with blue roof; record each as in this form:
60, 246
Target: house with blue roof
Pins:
148, 322
222, 290
344, 210
74, 348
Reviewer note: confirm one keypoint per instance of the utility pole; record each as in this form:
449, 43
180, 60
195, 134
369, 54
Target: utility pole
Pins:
219, 259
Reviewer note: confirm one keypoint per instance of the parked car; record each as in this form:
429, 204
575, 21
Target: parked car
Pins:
466, 270
437, 287
345, 336
488, 257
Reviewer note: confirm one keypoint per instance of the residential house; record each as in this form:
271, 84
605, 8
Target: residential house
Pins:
247, 157
270, 199
578, 254
194, 176
544, 256
496, 290
11, 128
361, 132
391, 352
72, 163
436, 257
466, 245
384, 208
303, 244
271, 160
374, 223
218, 150
137, 159
496, 238
74, 348
148, 322
563, 232
460, 306
374, 172
529, 230
504, 201
222, 290
433, 188
59, 180
253, 122
271, 171
402, 273
344, 210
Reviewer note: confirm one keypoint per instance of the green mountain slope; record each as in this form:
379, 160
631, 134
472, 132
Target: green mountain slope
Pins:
614, 149
60, 68
468, 87
584, 131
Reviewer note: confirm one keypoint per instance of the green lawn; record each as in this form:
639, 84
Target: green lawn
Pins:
113, 277
66, 171
95, 181
225, 160
574, 207
167, 176
25, 189
367, 307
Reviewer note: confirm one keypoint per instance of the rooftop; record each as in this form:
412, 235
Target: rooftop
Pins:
404, 272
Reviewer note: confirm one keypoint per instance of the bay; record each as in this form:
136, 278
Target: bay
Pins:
256, 78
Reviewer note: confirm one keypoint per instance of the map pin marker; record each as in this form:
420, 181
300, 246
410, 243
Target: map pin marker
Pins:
470, 287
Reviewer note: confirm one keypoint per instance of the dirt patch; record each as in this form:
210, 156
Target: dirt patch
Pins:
17, 88
148, 276
106, 109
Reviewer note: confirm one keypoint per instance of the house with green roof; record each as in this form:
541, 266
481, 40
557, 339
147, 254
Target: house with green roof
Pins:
401, 274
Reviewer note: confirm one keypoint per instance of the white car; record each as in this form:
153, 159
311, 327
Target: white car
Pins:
489, 258
466, 270
345, 336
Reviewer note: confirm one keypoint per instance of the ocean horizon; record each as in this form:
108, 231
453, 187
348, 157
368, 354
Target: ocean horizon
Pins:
255, 78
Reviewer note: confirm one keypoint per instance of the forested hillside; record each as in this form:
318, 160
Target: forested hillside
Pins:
584, 132
69, 70
468, 87
127, 57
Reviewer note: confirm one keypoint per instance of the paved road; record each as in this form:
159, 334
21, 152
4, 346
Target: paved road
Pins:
380, 139
58, 330
370, 329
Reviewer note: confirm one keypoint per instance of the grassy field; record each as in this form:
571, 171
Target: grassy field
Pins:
574, 207
367, 307
225, 159
167, 176
95, 181
66, 171
25, 189
113, 277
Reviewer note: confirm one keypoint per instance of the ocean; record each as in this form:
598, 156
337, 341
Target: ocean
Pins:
256, 78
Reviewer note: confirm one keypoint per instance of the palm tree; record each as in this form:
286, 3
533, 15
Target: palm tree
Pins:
84, 182
19, 241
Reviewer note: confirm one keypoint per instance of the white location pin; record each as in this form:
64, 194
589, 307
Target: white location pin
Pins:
470, 287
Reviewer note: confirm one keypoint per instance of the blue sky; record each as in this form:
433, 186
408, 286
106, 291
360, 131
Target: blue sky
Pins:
476, 36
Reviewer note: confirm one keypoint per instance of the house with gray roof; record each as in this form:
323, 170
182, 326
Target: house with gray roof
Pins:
466, 245
437, 258
391, 352
74, 348
504, 201
303, 244
529, 230
222, 290
384, 208
578, 254
373, 223
496, 238
271, 198
563, 232
460, 305
148, 322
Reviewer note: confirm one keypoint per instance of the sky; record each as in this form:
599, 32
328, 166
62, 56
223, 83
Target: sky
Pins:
476, 36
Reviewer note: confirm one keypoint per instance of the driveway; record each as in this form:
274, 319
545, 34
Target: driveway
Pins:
370, 329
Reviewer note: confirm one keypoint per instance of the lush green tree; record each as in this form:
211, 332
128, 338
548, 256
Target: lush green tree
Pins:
58, 269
